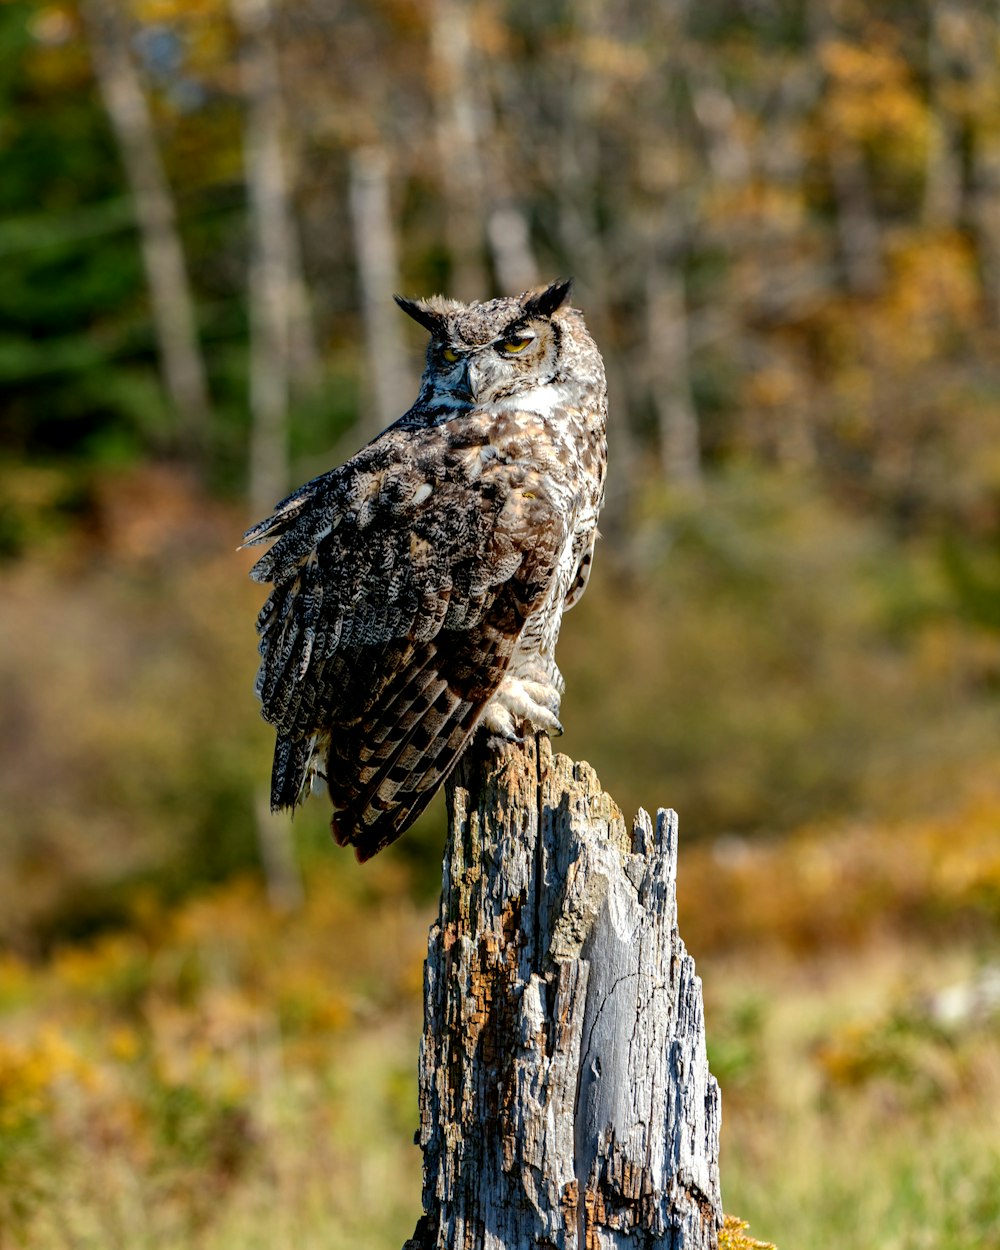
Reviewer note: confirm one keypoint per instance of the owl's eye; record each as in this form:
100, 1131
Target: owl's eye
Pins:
515, 343
449, 354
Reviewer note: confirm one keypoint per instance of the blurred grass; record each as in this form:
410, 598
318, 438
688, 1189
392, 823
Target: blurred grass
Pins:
217, 1074
822, 1146
183, 1063
221, 1074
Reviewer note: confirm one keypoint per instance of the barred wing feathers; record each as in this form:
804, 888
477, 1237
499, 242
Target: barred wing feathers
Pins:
401, 582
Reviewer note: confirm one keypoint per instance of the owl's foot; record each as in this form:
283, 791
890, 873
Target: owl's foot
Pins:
520, 704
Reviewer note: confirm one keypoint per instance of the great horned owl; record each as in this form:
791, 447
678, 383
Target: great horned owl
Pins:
419, 588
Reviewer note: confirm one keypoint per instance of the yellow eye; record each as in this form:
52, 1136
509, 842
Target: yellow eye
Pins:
517, 343
449, 355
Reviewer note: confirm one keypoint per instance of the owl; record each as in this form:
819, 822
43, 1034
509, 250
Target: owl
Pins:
418, 589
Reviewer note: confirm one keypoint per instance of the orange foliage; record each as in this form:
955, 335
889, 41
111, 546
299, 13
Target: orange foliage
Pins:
827, 889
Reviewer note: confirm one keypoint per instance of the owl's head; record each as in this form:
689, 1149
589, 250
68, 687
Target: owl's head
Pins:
481, 353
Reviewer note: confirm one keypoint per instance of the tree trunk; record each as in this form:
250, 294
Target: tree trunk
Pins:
668, 353
857, 225
392, 387
942, 203
280, 334
173, 305
269, 239
986, 217
565, 1096
457, 123
509, 236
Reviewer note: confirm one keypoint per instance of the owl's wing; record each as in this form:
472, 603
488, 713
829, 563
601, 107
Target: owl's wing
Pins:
584, 558
401, 586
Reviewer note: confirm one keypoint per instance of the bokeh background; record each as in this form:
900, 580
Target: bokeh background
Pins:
783, 217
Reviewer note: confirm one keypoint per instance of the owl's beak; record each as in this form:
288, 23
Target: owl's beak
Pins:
471, 379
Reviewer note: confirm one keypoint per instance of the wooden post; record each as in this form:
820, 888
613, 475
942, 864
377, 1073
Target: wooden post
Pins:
565, 1096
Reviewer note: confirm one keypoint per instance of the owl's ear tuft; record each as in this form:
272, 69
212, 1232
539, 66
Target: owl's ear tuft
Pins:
544, 303
421, 312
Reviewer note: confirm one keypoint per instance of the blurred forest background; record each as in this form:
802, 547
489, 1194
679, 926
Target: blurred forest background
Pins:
783, 217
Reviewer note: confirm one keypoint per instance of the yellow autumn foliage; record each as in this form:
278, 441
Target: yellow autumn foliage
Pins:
873, 96
733, 1236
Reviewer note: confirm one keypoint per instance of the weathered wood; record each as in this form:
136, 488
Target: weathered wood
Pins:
565, 1096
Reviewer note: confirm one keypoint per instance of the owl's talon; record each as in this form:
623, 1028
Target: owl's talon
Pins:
523, 703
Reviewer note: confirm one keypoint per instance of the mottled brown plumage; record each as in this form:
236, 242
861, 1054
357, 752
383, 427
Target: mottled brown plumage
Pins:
418, 589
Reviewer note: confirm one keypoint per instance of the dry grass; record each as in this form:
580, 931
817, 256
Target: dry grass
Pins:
853, 1115
221, 1075
217, 1074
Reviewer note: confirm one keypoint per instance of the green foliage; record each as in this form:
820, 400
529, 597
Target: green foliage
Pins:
735, 1044
70, 302
973, 571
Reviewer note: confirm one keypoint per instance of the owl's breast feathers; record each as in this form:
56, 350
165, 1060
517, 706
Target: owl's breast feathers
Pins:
401, 583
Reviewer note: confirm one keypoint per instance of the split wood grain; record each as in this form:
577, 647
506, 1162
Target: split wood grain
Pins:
565, 1094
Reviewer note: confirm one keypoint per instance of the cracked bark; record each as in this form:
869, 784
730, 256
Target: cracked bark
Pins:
565, 1096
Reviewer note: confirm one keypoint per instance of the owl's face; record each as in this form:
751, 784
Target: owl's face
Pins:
482, 353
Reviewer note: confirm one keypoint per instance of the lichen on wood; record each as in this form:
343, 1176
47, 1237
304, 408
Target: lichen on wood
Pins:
565, 1096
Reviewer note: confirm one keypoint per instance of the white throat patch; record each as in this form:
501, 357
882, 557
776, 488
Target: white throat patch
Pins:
541, 400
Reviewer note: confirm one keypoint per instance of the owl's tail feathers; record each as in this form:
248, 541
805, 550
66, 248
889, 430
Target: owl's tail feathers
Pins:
370, 837
402, 785
290, 771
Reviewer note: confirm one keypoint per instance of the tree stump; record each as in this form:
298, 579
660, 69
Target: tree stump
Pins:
565, 1096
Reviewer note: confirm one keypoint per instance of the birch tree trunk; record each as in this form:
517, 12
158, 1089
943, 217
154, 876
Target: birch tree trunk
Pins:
670, 375
457, 123
858, 236
173, 305
565, 1096
269, 247
280, 341
857, 227
942, 202
986, 217
392, 387
509, 237
281, 346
